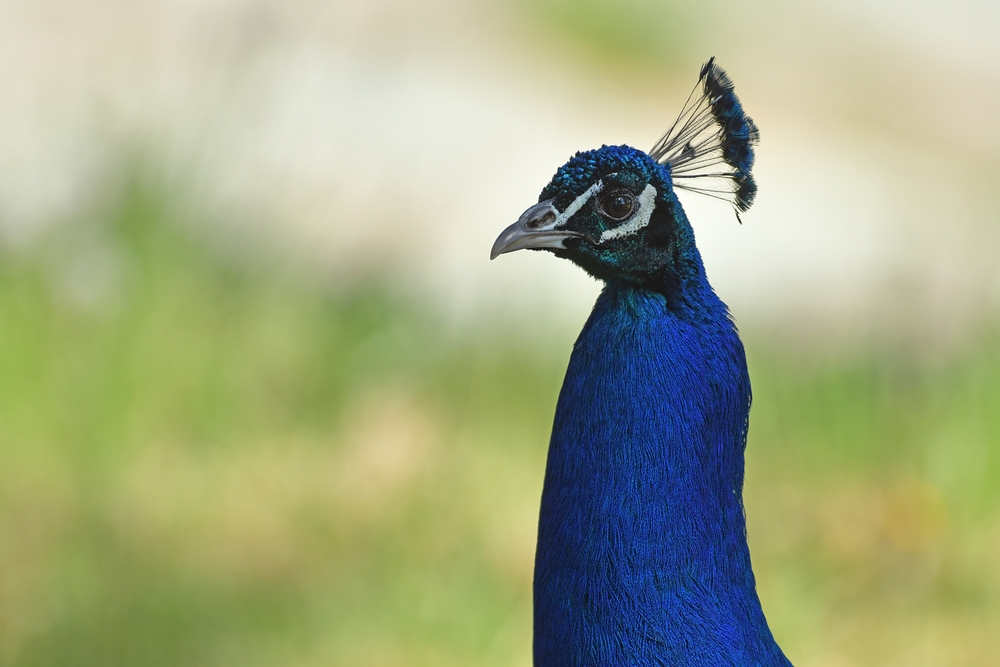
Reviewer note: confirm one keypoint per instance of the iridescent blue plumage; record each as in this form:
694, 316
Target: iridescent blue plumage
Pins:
642, 556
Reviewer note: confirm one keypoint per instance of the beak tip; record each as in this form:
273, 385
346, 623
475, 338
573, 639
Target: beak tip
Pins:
504, 242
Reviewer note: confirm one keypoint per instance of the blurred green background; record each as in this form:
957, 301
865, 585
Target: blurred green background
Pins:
264, 401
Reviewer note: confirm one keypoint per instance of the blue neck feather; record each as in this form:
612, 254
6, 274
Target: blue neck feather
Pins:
642, 555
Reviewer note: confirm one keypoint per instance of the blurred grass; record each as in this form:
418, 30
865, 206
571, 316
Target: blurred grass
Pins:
873, 501
206, 461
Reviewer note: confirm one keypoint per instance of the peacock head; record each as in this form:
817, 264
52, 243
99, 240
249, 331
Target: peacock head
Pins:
614, 211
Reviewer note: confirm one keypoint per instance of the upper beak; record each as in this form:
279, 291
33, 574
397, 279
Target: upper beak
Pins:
534, 229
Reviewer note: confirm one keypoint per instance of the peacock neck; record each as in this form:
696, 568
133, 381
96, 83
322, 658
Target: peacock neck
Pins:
642, 556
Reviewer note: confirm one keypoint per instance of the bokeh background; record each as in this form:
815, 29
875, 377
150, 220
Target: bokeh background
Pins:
265, 401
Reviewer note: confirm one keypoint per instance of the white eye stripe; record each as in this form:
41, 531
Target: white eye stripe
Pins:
646, 199
647, 202
557, 219
577, 204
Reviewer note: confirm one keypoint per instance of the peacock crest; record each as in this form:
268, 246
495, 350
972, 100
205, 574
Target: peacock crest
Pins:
709, 148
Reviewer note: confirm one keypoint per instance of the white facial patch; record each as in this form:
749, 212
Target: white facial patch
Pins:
647, 201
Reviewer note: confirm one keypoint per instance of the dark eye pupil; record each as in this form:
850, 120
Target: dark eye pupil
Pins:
618, 205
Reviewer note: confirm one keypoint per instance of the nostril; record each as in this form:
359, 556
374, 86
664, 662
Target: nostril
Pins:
546, 218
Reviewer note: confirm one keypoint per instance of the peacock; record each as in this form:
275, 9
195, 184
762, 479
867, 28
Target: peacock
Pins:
642, 554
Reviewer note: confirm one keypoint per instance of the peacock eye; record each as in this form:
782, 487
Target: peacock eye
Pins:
617, 204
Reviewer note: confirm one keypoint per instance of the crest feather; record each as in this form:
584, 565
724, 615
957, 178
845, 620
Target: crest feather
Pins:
709, 148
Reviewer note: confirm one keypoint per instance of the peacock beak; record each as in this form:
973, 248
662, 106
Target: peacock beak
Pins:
536, 228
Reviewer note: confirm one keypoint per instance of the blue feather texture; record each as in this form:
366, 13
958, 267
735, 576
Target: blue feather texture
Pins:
642, 556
